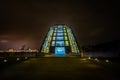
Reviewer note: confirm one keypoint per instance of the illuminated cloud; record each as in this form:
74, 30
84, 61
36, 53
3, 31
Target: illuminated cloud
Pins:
3, 41
28, 21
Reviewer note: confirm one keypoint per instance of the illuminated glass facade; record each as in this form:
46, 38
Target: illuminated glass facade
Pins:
59, 40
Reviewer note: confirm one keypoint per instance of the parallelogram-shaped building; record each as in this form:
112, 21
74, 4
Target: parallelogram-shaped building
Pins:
60, 41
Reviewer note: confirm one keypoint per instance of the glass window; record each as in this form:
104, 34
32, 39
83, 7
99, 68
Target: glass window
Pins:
64, 30
49, 33
44, 43
66, 38
59, 34
59, 30
60, 26
53, 38
59, 43
66, 43
54, 34
59, 51
55, 28
65, 33
59, 38
53, 43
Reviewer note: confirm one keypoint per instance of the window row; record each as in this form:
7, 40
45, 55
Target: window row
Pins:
59, 34
60, 43
60, 38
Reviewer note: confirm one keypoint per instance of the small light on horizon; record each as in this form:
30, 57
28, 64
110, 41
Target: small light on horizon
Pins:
89, 57
18, 59
26, 58
106, 60
96, 59
5, 60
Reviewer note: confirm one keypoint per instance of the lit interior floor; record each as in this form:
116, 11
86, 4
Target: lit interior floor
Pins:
60, 51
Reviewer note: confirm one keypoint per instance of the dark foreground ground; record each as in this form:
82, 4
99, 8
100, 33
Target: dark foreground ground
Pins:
60, 69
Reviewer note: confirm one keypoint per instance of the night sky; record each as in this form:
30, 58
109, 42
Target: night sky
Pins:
26, 22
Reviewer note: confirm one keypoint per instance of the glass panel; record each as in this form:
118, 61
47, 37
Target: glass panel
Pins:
59, 34
48, 44
66, 38
65, 34
55, 28
60, 38
53, 38
59, 43
60, 51
44, 43
60, 26
54, 34
59, 30
66, 43
64, 30
48, 33
53, 43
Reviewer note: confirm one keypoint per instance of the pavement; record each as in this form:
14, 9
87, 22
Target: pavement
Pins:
60, 68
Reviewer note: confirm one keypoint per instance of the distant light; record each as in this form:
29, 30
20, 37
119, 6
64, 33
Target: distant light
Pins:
26, 58
89, 57
107, 60
18, 59
5, 60
96, 59
11, 50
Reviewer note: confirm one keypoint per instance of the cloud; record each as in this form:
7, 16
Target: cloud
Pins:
3, 41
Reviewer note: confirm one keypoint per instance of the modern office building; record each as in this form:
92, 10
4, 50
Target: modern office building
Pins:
60, 41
